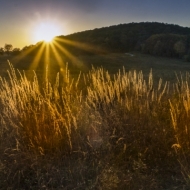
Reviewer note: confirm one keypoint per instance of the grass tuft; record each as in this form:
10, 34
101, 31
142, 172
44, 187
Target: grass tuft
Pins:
98, 131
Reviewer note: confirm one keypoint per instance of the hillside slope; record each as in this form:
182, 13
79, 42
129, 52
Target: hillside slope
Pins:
147, 37
153, 38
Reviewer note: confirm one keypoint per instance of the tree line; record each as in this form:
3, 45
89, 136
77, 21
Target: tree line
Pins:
153, 38
8, 49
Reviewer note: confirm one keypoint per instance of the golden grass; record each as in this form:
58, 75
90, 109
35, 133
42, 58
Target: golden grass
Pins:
100, 131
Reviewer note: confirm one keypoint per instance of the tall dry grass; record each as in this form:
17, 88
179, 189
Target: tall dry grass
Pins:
99, 131
179, 110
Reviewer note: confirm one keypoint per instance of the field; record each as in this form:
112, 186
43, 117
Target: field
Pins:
164, 68
117, 125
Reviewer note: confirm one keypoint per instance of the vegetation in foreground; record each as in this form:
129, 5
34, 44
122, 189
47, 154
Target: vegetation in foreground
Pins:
99, 131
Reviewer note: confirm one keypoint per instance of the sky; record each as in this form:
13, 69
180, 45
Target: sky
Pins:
20, 20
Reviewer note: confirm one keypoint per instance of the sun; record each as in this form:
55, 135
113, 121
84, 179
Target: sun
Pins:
46, 32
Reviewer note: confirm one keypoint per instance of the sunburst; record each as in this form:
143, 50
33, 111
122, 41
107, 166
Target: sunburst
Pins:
43, 52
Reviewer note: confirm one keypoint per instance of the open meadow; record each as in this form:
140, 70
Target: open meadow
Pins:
109, 121
162, 67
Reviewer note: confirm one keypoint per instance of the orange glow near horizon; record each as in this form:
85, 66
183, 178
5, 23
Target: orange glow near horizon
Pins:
84, 46
67, 53
36, 60
43, 53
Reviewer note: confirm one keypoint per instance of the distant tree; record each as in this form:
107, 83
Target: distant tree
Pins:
180, 48
2, 51
24, 48
8, 48
16, 51
158, 48
170, 45
28, 48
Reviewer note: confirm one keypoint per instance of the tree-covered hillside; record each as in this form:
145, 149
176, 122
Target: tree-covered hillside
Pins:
147, 37
153, 38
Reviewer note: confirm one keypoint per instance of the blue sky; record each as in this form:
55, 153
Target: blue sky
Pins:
20, 18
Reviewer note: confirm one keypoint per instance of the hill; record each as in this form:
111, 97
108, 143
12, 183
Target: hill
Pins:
153, 38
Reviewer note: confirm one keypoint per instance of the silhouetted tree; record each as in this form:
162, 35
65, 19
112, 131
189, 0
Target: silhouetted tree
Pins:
16, 51
8, 48
25, 48
1, 51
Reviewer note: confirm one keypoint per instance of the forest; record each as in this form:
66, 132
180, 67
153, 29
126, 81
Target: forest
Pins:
152, 38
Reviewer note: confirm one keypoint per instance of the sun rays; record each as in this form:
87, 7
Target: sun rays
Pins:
56, 54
